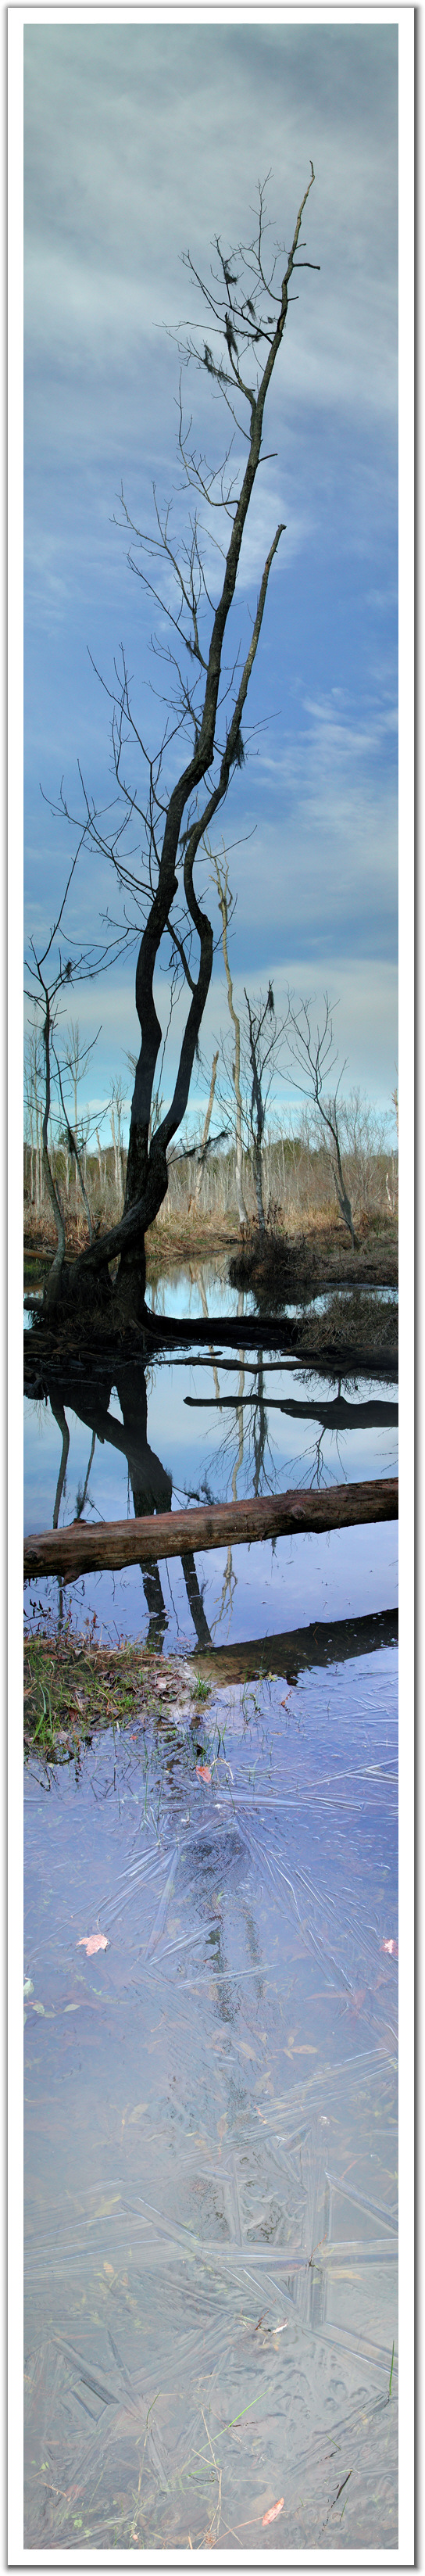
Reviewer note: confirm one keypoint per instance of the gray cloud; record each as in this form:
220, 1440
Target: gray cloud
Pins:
141, 140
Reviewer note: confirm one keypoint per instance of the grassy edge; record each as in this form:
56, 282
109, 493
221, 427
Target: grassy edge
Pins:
74, 1687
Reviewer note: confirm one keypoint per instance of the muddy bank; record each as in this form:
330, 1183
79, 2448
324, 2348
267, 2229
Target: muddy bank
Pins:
280, 1269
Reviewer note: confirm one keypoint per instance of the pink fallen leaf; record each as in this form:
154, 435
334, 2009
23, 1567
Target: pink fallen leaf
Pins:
392, 1947
203, 1771
91, 1941
273, 2511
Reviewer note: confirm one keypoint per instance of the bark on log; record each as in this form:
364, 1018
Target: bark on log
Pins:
80, 1550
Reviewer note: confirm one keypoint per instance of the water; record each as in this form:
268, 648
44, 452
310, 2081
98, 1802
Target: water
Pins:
211, 2098
205, 1429
210, 2126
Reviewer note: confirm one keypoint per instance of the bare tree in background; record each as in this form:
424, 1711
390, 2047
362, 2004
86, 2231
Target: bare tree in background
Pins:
33, 1095
314, 1051
226, 903
76, 1057
53, 973
246, 313
205, 1131
263, 1041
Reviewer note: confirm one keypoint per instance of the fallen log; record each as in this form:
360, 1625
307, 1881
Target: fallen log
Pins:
82, 1550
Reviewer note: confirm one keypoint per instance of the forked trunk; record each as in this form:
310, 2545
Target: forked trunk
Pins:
146, 1186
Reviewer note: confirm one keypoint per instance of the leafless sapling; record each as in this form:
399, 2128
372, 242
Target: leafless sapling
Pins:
263, 1040
313, 1050
225, 898
51, 974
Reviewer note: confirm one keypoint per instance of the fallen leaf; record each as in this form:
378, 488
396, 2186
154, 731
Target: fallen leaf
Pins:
273, 2511
109, 2268
392, 1947
203, 1771
91, 1941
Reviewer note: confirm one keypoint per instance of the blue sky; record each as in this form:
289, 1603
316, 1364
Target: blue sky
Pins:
141, 141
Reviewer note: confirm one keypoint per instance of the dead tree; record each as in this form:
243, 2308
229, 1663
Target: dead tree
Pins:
51, 974
314, 1051
226, 907
263, 1041
206, 695
205, 1132
76, 1060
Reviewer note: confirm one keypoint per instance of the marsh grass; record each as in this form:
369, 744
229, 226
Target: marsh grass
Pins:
73, 1687
285, 1268
352, 1321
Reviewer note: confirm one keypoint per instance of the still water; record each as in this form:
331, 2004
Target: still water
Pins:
211, 2317
201, 1428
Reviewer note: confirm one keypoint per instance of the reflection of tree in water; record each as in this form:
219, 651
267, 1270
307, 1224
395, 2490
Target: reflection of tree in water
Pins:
151, 1483
336, 1415
247, 1444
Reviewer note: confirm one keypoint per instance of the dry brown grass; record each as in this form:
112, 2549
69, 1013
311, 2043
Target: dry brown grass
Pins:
353, 1322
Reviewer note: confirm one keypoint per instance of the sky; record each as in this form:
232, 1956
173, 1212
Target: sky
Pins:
142, 141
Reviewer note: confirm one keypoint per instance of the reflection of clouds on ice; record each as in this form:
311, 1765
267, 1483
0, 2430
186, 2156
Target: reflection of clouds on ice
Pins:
233, 2054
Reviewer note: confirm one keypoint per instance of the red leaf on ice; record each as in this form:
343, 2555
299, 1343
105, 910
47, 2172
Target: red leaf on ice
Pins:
91, 1941
203, 1771
273, 2511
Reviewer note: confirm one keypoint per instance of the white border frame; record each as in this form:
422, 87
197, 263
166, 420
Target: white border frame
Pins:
404, 18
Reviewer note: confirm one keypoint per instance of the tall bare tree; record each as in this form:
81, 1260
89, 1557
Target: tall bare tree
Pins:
314, 1051
263, 1040
205, 1131
246, 313
52, 974
226, 907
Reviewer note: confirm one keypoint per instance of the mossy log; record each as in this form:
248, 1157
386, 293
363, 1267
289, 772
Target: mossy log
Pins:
82, 1550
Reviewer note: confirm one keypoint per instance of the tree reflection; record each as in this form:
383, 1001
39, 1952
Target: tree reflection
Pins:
151, 1483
